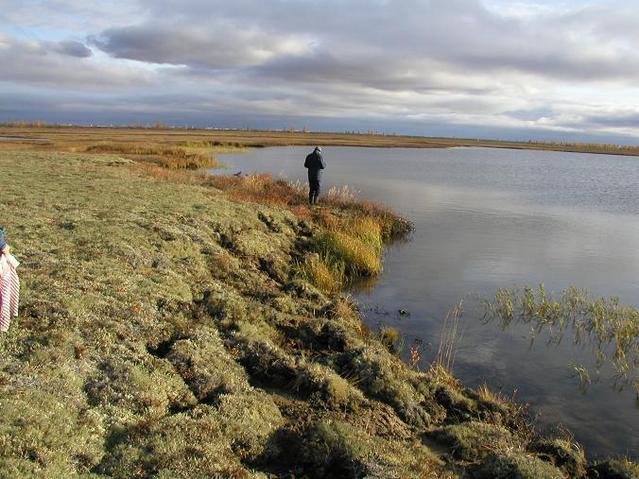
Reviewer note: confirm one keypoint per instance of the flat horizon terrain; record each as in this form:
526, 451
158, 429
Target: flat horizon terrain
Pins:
74, 138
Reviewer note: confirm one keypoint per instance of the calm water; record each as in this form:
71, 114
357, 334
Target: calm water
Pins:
489, 218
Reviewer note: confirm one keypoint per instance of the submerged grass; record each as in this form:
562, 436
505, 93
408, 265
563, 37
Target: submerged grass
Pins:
609, 327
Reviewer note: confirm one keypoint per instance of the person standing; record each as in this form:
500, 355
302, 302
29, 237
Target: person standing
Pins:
315, 164
9, 284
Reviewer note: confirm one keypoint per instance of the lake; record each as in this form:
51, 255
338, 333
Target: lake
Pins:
492, 218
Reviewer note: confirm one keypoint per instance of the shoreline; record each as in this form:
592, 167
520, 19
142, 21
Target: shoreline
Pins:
208, 324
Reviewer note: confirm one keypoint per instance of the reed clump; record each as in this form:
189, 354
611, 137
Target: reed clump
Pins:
610, 328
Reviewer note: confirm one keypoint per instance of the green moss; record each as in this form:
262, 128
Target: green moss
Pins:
458, 406
202, 362
335, 449
564, 454
139, 389
43, 434
516, 465
379, 375
207, 441
475, 440
614, 469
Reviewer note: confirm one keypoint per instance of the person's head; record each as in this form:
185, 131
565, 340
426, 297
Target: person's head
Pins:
318, 149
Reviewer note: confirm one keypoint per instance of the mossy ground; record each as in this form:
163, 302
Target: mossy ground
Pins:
165, 331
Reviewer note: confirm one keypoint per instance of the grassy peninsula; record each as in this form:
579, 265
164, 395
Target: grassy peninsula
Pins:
177, 325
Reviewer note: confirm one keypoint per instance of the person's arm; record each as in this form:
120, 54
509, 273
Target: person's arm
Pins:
5, 250
322, 162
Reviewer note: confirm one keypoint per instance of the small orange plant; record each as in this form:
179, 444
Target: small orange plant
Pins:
415, 357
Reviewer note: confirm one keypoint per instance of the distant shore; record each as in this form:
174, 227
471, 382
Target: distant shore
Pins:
61, 136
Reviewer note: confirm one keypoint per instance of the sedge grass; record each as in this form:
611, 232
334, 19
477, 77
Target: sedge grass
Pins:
610, 328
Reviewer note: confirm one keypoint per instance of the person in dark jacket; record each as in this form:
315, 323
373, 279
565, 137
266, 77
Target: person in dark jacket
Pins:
315, 164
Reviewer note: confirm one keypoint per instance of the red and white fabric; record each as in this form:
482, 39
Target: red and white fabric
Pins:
9, 290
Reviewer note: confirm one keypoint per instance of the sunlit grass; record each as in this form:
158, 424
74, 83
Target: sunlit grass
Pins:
323, 273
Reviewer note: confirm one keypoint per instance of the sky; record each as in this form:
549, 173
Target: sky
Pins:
528, 69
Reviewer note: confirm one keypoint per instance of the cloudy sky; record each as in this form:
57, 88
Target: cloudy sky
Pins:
528, 69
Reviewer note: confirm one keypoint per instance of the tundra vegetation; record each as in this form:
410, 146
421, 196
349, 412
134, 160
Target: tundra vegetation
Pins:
180, 325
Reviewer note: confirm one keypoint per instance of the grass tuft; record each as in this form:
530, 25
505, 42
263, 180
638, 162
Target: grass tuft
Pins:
391, 338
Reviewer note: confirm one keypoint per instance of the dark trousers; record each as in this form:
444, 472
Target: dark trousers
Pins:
313, 191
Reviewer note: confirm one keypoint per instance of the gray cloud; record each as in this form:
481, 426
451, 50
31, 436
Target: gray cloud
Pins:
619, 120
73, 49
460, 33
221, 46
63, 66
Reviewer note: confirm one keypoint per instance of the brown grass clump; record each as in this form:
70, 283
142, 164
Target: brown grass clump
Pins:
258, 188
166, 174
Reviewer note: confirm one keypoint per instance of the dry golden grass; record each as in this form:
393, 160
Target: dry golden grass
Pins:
484, 393
258, 188
320, 274
170, 157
